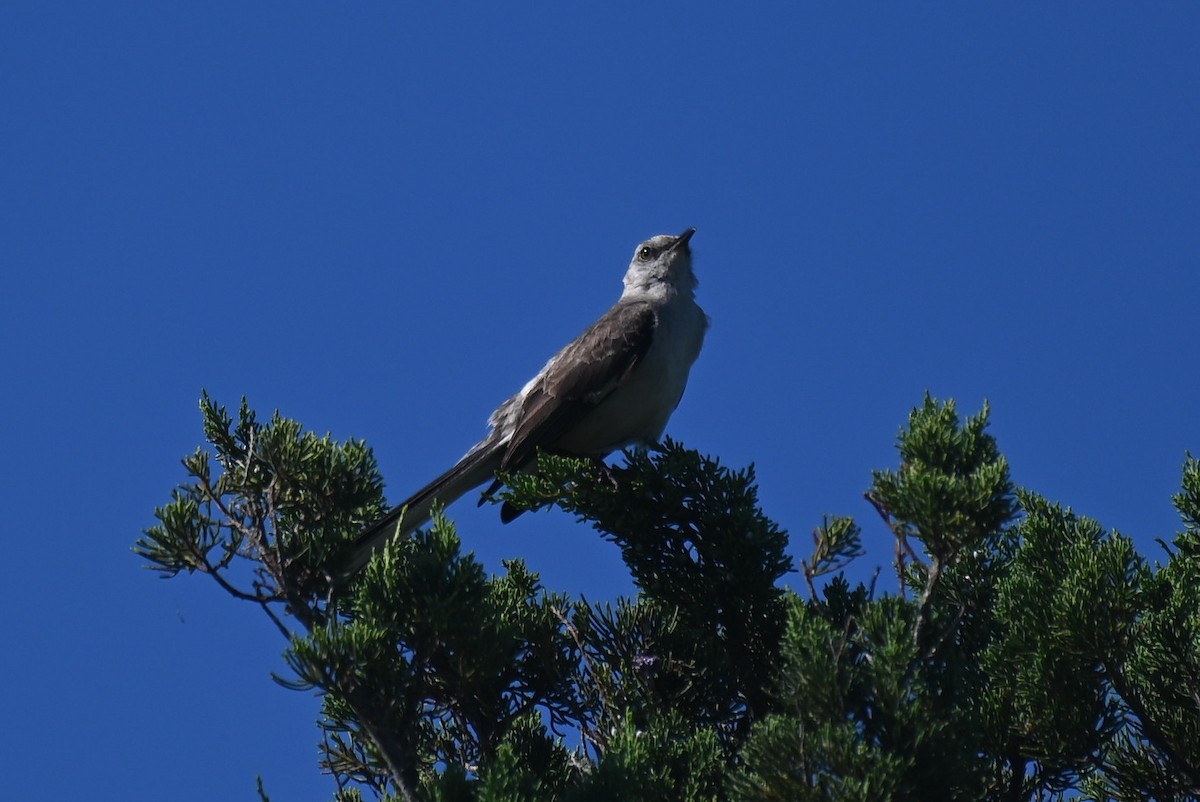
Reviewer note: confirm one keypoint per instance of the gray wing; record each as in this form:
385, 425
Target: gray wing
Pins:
581, 376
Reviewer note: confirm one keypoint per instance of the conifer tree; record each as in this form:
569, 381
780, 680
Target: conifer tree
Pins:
1025, 653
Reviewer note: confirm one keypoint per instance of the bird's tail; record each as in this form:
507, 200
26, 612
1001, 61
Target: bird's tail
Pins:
474, 469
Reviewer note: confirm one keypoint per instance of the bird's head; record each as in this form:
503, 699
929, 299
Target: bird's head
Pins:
662, 263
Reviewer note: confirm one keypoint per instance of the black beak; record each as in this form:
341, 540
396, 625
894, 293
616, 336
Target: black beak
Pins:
683, 238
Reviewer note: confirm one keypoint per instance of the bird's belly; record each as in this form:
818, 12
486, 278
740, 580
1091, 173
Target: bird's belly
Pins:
638, 410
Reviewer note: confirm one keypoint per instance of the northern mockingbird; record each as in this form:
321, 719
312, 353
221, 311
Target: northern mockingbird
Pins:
613, 386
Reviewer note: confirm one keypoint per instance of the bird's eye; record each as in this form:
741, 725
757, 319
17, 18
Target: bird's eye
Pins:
645, 253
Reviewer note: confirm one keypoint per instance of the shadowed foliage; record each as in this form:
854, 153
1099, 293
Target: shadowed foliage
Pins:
1022, 653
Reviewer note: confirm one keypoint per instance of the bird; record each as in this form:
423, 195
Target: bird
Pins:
612, 387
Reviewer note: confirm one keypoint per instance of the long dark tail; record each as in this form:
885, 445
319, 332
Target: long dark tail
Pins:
477, 467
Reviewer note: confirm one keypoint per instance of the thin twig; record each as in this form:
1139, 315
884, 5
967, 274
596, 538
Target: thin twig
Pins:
589, 736
902, 545
808, 575
249, 455
932, 578
276, 620
838, 651
214, 497
874, 580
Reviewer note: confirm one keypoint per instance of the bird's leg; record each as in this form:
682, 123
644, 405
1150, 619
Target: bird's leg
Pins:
607, 471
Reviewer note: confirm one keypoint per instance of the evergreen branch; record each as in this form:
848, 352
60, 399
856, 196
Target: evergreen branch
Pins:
249, 454
589, 735
276, 620
836, 653
440, 683
874, 583
215, 570
1150, 728
212, 495
394, 754
932, 577
836, 543
903, 547
809, 573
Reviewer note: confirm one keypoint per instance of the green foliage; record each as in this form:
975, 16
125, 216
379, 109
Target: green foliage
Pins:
1158, 682
1027, 654
272, 517
672, 759
701, 551
836, 543
1063, 611
952, 490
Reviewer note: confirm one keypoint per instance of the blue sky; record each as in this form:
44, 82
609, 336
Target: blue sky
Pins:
381, 220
